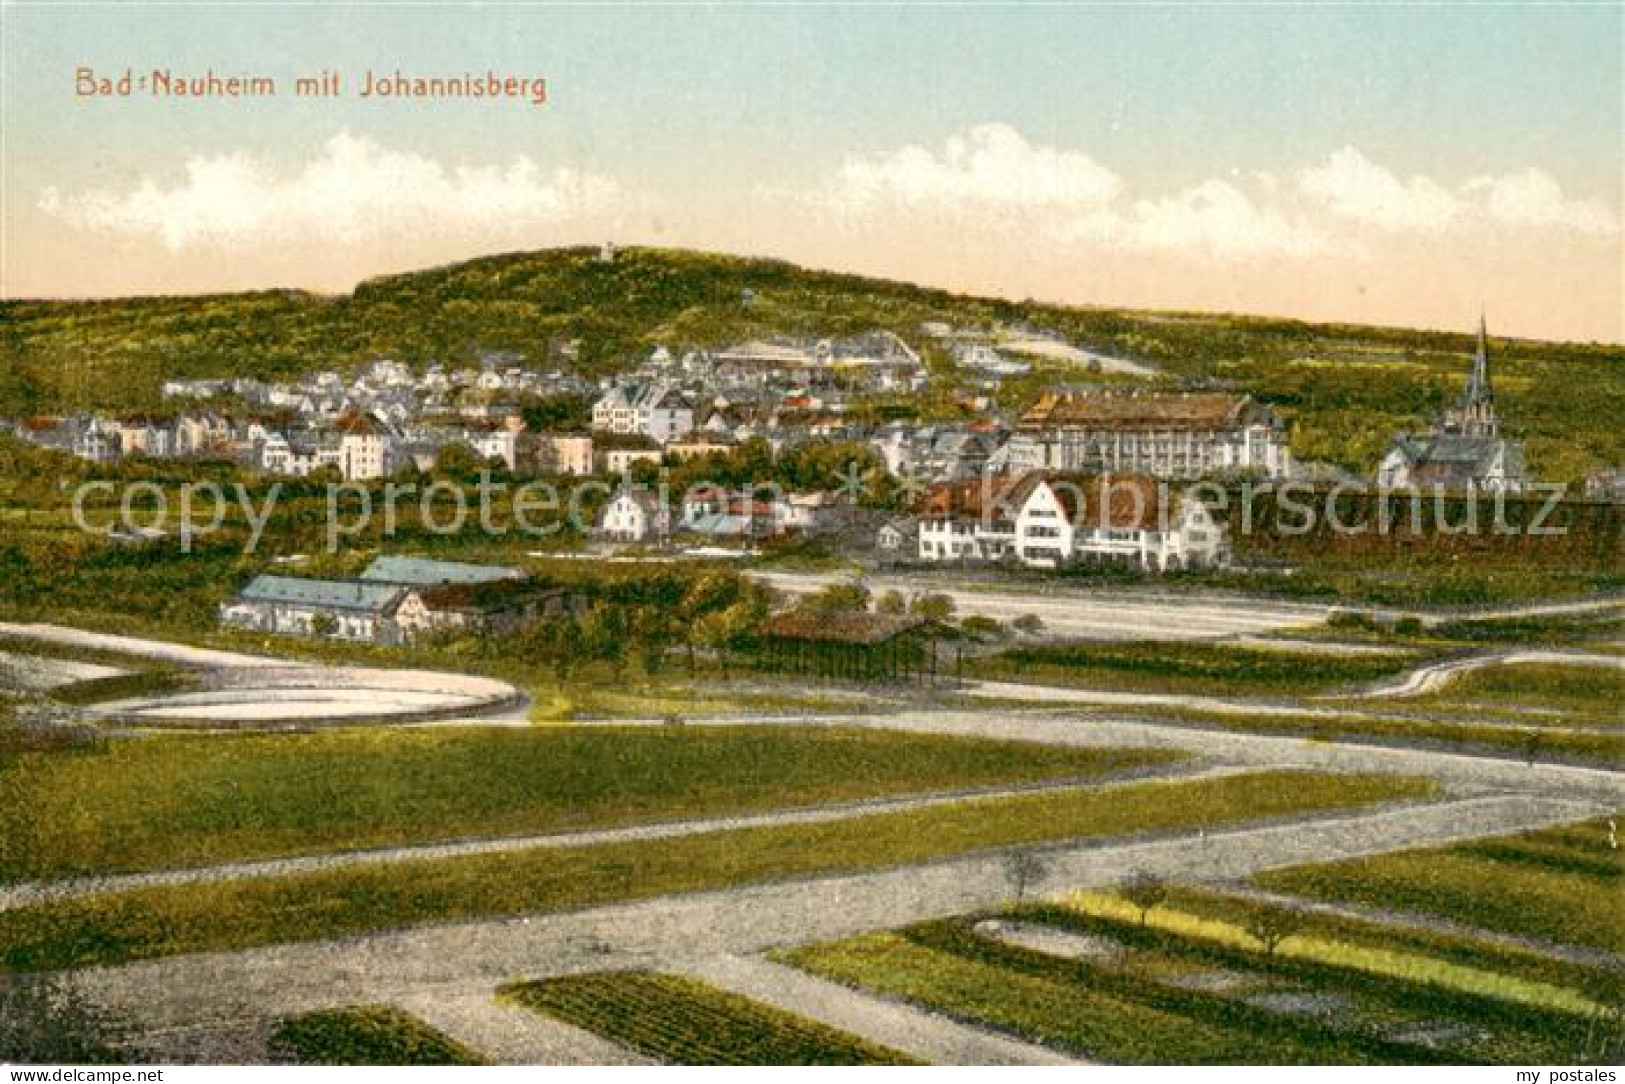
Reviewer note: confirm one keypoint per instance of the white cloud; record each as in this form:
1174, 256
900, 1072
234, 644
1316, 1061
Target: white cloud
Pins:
1352, 186
990, 165
990, 182
353, 191
1217, 218
991, 177
1532, 198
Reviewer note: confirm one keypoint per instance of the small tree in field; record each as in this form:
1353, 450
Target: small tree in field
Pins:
836, 598
932, 607
1145, 890
1023, 869
1028, 624
1271, 926
892, 602
983, 628
324, 624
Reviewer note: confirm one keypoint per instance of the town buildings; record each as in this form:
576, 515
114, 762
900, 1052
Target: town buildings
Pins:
366, 448
658, 411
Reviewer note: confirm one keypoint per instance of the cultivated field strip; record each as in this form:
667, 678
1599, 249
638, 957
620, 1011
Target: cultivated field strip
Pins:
686, 1021
25, 895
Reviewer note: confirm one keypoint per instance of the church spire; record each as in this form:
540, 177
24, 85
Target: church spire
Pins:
1475, 415
1478, 382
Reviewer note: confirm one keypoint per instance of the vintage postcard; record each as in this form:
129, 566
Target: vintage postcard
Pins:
811, 534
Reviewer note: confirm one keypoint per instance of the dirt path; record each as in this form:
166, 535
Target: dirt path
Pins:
1067, 694
164, 651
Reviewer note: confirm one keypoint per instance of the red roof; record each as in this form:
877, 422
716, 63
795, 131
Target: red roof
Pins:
1116, 501
853, 627
357, 423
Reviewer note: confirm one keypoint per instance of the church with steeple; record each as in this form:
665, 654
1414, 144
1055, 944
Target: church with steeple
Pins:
1464, 449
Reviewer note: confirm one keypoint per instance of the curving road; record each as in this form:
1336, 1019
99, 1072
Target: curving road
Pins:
1434, 676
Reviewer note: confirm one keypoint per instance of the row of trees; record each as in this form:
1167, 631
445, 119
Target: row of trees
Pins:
1145, 892
855, 597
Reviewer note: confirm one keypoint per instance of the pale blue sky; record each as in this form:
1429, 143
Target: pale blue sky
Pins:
1178, 90
710, 104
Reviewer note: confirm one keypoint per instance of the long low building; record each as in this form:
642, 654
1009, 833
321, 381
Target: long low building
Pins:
295, 606
396, 600
1174, 436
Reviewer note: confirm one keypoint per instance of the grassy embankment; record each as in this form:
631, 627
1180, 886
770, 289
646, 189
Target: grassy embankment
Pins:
1196, 669
1529, 711
141, 677
682, 1021
235, 914
1583, 629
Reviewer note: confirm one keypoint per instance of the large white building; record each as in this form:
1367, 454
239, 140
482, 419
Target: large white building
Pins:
1044, 520
1175, 436
366, 448
634, 515
657, 411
